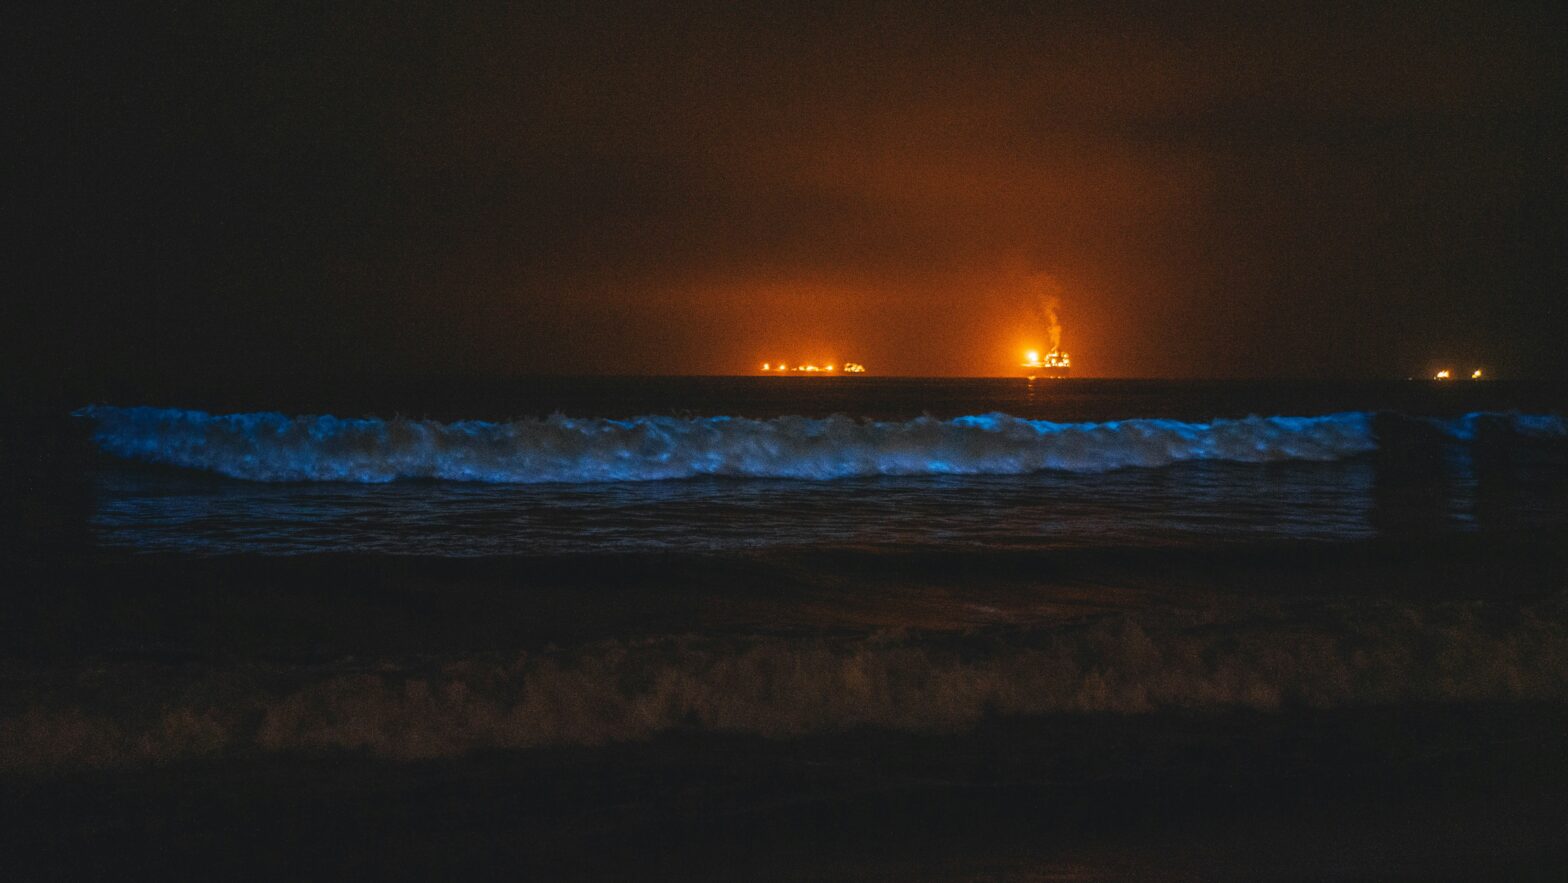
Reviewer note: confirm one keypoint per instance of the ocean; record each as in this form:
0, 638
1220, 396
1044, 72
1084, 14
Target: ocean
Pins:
839, 628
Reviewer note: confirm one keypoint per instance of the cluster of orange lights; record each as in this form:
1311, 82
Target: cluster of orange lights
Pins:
784, 368
1446, 374
1052, 359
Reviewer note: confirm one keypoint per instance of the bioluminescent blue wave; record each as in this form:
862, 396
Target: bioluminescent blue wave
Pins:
276, 447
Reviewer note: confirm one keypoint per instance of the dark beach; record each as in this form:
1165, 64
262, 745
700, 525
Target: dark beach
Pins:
1425, 774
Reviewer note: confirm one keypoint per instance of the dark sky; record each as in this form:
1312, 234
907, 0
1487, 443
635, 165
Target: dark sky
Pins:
223, 188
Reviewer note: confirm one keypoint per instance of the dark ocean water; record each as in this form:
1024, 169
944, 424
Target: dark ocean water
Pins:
952, 629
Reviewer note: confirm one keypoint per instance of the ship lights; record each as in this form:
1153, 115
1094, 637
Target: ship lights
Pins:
813, 368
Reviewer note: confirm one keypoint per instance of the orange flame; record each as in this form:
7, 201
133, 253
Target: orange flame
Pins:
1052, 359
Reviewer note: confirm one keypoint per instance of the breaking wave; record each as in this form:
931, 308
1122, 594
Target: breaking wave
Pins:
276, 447
786, 687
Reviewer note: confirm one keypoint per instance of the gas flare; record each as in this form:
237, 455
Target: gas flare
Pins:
1054, 363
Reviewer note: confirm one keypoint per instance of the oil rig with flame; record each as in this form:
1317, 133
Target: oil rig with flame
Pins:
1054, 363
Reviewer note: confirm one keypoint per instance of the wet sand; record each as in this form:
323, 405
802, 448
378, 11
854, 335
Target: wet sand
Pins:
1431, 792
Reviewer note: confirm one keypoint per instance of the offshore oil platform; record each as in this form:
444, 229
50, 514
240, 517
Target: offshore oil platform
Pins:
1054, 363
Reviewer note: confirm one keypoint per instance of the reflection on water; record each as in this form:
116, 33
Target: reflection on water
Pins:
1455, 488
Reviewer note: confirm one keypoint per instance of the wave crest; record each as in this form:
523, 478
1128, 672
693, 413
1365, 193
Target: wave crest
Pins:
787, 687
276, 447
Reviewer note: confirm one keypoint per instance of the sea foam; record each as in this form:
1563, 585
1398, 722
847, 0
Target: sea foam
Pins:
1343, 655
277, 447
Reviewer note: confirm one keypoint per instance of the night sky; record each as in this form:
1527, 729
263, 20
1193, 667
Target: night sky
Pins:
228, 189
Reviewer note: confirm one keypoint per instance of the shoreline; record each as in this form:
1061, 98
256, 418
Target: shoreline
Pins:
1422, 791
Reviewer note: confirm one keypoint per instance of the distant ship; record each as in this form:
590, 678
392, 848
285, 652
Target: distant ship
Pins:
1052, 364
784, 368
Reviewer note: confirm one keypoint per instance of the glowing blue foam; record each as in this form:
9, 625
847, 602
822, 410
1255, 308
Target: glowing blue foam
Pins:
275, 447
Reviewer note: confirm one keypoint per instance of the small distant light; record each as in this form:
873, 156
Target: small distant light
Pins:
1444, 374
1476, 374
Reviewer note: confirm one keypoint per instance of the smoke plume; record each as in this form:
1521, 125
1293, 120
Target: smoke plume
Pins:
1044, 293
